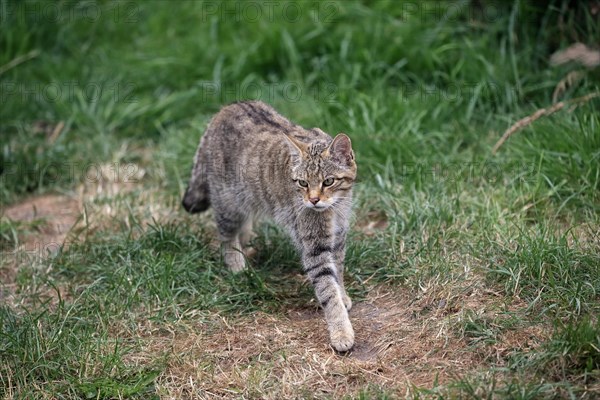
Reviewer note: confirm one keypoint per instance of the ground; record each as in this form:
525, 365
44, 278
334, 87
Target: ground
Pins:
405, 338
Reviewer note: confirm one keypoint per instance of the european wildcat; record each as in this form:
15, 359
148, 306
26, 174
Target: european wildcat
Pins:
252, 162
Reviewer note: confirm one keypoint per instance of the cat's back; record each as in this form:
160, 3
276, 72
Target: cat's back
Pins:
249, 119
256, 121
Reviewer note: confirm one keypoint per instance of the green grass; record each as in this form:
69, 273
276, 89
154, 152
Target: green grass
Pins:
423, 90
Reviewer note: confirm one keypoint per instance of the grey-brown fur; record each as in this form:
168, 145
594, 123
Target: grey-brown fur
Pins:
252, 163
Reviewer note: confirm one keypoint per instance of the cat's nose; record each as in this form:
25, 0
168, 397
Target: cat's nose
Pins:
314, 200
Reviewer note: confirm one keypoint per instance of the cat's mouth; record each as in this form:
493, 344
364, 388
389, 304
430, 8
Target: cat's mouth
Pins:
317, 207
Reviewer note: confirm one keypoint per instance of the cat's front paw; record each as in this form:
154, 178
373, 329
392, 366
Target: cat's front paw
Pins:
342, 340
235, 261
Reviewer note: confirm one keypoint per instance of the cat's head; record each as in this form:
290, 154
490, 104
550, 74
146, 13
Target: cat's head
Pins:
323, 173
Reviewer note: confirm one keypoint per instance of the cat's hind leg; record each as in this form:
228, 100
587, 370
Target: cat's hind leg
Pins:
230, 226
246, 235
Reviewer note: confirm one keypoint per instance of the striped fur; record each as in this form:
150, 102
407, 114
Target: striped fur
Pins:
254, 163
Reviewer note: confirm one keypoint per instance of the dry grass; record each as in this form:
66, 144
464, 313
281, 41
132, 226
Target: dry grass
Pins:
401, 342
528, 120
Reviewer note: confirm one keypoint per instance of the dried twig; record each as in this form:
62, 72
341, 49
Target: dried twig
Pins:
19, 60
522, 123
567, 82
56, 132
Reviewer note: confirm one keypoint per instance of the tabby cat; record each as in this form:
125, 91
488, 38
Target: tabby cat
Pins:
252, 163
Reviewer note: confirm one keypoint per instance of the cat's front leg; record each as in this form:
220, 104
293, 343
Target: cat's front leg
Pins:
339, 253
320, 267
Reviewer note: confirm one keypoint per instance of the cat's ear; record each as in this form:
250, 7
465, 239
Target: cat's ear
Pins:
340, 150
295, 144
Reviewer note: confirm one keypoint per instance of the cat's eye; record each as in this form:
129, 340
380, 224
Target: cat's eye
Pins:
328, 182
302, 183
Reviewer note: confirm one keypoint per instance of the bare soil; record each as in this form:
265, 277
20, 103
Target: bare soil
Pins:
278, 356
57, 214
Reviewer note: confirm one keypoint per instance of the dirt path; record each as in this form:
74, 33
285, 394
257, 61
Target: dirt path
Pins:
400, 341
52, 216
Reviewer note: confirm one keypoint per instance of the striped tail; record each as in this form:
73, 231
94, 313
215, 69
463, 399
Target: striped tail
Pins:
196, 198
